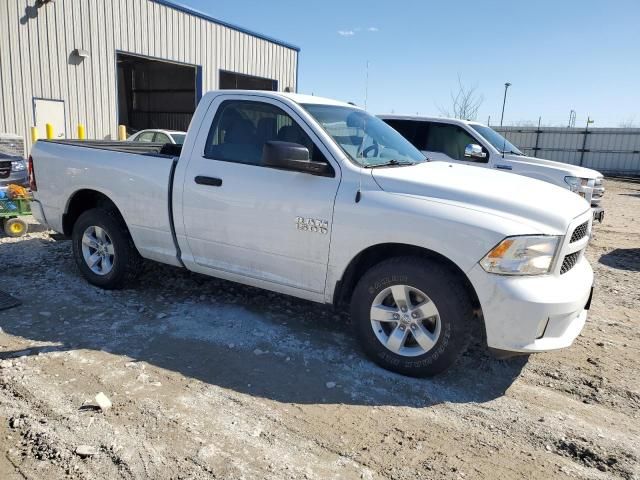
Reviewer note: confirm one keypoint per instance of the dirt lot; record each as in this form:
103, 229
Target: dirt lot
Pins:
210, 379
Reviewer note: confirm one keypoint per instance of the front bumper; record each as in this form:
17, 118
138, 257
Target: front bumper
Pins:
533, 314
598, 214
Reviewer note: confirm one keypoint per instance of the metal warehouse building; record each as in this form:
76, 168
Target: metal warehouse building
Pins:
140, 63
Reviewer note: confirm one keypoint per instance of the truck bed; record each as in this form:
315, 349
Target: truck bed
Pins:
137, 178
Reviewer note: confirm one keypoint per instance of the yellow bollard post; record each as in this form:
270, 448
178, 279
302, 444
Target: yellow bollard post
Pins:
49, 130
34, 134
81, 133
122, 132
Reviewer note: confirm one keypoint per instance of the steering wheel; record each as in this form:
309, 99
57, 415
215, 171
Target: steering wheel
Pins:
375, 147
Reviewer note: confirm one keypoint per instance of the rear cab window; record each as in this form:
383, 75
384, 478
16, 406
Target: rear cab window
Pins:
415, 131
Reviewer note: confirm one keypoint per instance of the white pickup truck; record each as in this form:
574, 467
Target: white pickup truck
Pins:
320, 200
472, 143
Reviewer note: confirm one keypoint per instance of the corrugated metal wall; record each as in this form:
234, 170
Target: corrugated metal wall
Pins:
608, 150
36, 44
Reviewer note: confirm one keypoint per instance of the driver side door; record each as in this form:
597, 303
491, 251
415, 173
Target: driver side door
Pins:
246, 220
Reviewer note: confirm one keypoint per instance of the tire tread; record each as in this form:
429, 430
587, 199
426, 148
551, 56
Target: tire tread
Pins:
129, 265
456, 289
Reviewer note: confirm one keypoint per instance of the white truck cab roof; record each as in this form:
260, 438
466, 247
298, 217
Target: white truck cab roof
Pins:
298, 98
418, 118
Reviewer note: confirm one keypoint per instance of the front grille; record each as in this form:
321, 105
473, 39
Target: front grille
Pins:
569, 262
580, 232
5, 169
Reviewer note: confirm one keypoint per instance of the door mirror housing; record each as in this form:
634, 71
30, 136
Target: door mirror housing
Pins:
474, 152
292, 156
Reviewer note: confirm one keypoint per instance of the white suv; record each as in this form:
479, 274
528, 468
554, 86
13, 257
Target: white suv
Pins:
472, 143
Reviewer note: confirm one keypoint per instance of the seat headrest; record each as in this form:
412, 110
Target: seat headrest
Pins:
240, 131
266, 130
291, 133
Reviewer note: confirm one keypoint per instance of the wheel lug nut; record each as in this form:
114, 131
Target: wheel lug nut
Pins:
396, 316
414, 315
413, 327
404, 309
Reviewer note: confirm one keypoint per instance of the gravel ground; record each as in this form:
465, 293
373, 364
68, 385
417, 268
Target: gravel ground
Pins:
211, 379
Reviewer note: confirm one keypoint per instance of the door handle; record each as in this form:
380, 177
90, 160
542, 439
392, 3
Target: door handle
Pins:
211, 181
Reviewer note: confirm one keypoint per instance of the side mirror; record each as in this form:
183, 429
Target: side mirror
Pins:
474, 152
292, 156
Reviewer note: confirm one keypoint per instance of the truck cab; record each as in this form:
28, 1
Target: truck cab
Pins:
472, 143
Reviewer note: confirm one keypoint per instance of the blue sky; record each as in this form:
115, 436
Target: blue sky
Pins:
559, 55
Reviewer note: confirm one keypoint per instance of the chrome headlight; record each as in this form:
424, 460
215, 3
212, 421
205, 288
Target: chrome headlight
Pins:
18, 166
576, 183
526, 255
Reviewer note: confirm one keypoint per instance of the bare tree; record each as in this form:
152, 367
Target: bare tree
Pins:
465, 103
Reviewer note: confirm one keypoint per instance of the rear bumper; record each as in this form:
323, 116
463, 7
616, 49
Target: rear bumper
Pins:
38, 212
533, 314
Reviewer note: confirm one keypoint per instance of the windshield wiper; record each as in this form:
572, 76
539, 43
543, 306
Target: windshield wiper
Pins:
390, 163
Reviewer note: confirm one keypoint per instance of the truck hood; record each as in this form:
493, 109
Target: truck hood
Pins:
565, 169
503, 194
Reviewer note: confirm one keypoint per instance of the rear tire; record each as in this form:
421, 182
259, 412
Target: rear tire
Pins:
103, 249
412, 316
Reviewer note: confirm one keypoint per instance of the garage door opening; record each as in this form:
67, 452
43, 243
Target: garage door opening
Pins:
233, 80
156, 94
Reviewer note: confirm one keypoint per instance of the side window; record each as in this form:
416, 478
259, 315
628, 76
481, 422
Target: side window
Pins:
145, 137
161, 138
406, 128
241, 128
422, 132
450, 140
413, 130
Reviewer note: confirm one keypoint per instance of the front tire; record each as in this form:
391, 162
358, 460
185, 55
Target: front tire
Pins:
103, 249
412, 316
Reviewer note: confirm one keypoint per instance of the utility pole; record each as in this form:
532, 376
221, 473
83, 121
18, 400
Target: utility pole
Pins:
504, 101
535, 149
572, 118
584, 140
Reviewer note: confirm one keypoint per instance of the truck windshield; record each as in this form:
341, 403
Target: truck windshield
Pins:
366, 139
498, 141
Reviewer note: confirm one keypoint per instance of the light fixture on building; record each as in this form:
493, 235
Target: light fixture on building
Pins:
78, 52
